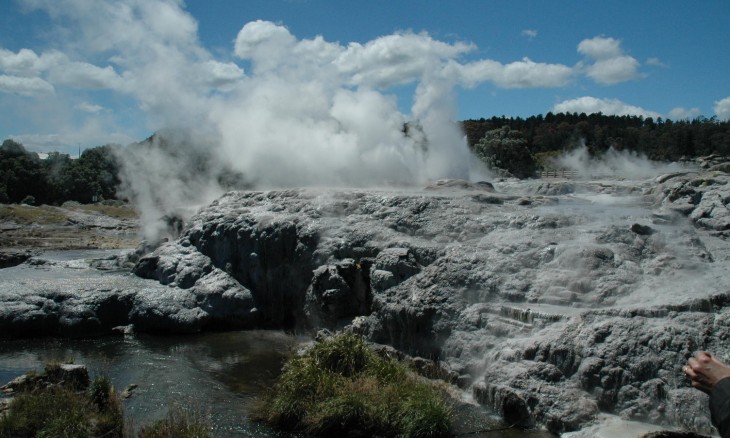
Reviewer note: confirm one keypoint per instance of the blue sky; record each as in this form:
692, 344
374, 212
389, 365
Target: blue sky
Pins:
88, 72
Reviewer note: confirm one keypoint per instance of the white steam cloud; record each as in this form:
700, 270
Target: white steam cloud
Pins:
613, 163
278, 110
312, 113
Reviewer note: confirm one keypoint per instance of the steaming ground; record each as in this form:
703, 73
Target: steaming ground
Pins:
550, 300
553, 302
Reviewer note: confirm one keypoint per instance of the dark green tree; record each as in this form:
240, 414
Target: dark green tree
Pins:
506, 149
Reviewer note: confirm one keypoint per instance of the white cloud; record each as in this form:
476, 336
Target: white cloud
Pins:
85, 76
24, 62
614, 70
607, 64
589, 105
656, 62
600, 48
25, 86
56, 68
681, 113
89, 107
722, 108
529, 33
520, 74
27, 63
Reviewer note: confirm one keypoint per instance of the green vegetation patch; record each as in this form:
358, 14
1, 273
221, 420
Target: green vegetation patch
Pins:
64, 404
179, 423
62, 410
26, 214
341, 385
118, 212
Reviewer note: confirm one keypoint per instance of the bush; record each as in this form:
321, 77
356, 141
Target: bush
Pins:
341, 385
58, 405
52, 412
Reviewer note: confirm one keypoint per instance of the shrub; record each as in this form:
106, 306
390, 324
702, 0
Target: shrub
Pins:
100, 392
60, 405
341, 385
56, 411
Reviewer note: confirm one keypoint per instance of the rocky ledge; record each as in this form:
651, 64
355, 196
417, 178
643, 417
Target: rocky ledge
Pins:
552, 302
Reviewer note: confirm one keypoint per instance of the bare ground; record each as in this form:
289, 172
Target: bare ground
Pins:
72, 226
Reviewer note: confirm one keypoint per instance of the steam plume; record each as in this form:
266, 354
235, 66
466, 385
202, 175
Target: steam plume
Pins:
613, 163
278, 110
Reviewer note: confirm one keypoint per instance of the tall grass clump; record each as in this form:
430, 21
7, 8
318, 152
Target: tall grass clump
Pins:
179, 423
64, 411
341, 385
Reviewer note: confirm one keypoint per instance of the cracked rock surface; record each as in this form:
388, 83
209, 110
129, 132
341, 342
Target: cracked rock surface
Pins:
553, 302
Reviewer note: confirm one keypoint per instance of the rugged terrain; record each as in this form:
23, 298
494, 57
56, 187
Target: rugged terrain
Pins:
551, 301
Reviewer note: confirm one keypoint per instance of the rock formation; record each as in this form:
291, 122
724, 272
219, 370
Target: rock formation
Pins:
551, 302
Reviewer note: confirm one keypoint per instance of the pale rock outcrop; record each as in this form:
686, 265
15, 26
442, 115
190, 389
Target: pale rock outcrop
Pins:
552, 304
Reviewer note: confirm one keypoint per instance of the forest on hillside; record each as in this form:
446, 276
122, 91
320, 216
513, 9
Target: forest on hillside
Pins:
513, 146
521, 145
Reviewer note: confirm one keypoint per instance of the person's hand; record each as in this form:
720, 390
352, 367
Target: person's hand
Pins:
705, 370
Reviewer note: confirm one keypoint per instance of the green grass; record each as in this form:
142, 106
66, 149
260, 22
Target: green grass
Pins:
178, 424
48, 215
64, 409
26, 215
56, 411
117, 212
71, 409
341, 385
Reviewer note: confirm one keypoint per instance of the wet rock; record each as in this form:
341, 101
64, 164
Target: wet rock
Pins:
555, 189
393, 266
642, 230
703, 197
14, 258
63, 313
460, 184
672, 434
71, 376
721, 167
339, 291
125, 330
129, 391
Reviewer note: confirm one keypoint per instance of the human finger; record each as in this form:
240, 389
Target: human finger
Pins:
701, 386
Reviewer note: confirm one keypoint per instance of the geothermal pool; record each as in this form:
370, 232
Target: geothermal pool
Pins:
218, 374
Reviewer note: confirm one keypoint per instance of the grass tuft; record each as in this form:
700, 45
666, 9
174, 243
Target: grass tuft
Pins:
59, 407
179, 423
55, 411
340, 385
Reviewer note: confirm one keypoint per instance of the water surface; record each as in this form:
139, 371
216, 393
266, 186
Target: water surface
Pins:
217, 374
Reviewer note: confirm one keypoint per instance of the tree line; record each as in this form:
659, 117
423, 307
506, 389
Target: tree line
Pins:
26, 178
519, 145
